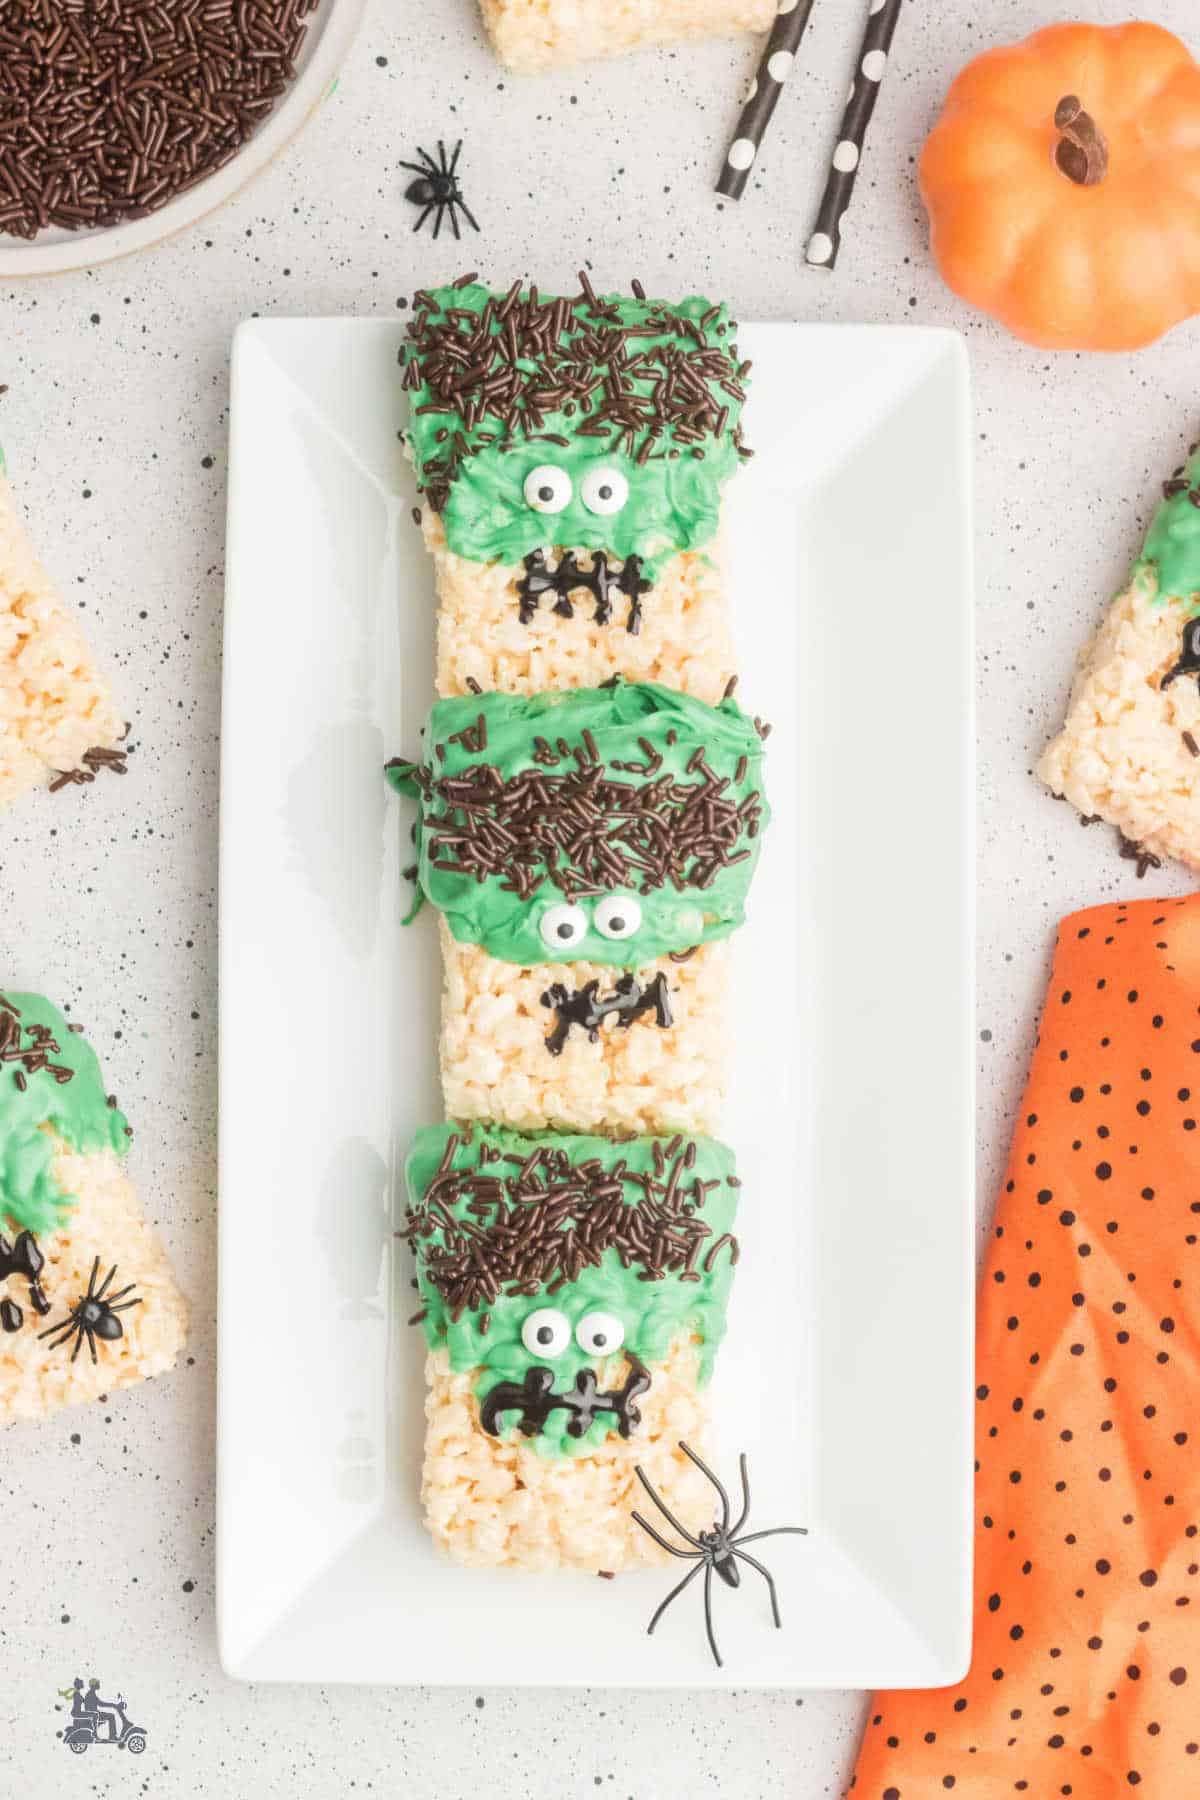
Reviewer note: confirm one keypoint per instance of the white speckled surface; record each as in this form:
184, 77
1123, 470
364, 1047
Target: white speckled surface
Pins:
114, 425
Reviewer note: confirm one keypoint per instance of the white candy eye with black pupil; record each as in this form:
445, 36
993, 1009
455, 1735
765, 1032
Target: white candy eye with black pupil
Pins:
562, 926
546, 1332
604, 490
547, 488
599, 1334
617, 916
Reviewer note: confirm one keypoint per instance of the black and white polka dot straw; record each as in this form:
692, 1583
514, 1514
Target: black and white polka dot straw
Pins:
826, 239
773, 71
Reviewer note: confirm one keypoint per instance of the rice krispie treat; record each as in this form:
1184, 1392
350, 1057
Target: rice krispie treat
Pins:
573, 1297
58, 719
87, 1300
571, 456
588, 852
544, 34
1129, 751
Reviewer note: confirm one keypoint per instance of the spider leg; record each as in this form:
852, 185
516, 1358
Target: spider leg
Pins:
120, 1293
452, 209
430, 167
745, 1512
437, 223
64, 1326
417, 168
708, 1624
79, 1331
100, 1291
91, 1338
770, 1581
705, 1470
443, 168
752, 1537
455, 157
666, 1513
424, 215
92, 1279
673, 1595
661, 1541
126, 1306
471, 219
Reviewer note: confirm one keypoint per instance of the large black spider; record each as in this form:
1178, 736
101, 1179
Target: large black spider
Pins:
93, 1316
437, 187
714, 1550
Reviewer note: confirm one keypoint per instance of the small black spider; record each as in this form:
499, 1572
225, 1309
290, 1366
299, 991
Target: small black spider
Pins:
437, 187
94, 1316
715, 1549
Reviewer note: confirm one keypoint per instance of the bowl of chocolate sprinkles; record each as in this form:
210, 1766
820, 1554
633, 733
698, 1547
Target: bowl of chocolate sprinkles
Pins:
122, 121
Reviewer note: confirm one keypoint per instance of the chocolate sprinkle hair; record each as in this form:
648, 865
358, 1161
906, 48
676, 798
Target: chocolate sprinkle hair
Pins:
31, 1046
652, 388
583, 829
534, 1222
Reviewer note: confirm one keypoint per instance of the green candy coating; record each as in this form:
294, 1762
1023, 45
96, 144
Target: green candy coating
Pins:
77, 1111
653, 1312
1171, 553
620, 718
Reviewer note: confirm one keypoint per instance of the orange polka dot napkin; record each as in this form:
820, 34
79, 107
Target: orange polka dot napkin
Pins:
1085, 1678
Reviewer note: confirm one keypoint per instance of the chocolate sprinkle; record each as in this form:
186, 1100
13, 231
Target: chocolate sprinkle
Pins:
1138, 853
546, 1218
110, 109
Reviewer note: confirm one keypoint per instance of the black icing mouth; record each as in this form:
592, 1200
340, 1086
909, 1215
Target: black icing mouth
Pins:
584, 1007
601, 581
535, 1399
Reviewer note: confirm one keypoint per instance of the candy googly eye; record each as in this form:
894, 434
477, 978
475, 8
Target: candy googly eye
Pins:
604, 490
547, 488
546, 1332
617, 916
599, 1334
562, 926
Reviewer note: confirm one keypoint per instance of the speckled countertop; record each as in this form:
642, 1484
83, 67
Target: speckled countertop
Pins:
115, 427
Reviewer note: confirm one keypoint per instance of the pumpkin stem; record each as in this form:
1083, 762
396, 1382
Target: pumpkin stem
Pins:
1081, 153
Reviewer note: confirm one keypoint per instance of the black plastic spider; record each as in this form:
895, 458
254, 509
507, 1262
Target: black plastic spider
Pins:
437, 187
715, 1549
94, 1316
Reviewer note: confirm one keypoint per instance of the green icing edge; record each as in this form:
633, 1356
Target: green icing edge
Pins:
76, 1111
616, 716
674, 502
1170, 558
653, 1312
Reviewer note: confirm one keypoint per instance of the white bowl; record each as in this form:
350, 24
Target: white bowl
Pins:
331, 30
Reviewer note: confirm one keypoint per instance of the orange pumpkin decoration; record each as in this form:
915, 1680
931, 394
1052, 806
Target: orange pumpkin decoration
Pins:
1063, 186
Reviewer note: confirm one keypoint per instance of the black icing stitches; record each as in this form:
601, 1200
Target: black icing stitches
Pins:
599, 581
534, 1399
629, 1000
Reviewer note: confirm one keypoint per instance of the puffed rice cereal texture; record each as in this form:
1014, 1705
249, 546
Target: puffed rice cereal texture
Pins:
1123, 751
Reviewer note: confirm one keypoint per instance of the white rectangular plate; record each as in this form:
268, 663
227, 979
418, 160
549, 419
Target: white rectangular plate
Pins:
846, 1375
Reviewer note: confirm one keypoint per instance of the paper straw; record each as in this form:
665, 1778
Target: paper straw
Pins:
773, 71
826, 239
